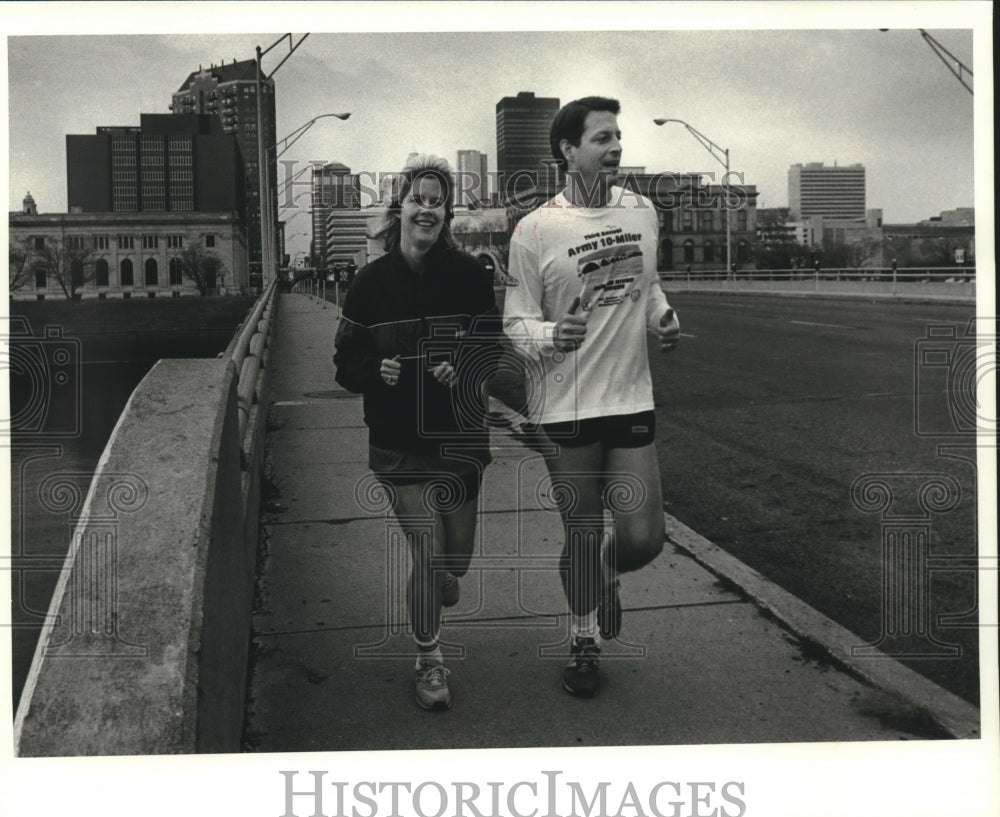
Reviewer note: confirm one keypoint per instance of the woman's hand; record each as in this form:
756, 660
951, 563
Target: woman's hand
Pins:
390, 370
444, 373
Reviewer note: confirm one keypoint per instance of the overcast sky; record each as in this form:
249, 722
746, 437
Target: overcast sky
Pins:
774, 98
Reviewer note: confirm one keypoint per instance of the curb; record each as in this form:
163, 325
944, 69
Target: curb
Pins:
955, 716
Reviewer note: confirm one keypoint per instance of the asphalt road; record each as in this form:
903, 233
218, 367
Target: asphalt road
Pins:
772, 408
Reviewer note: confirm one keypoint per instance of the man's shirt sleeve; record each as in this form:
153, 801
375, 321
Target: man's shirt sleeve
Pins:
656, 302
524, 320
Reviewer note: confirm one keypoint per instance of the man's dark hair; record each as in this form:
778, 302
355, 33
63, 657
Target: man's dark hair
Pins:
568, 123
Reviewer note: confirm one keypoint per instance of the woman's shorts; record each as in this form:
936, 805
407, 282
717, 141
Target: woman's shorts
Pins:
398, 468
613, 431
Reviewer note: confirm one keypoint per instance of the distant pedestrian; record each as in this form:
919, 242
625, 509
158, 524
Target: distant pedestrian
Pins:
418, 337
587, 292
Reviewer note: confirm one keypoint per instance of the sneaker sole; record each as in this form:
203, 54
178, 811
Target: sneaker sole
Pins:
437, 706
579, 693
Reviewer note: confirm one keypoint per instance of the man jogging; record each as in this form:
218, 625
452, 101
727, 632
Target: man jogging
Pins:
586, 294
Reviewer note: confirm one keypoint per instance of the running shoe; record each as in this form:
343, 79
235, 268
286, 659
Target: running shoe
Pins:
580, 676
450, 590
609, 611
432, 686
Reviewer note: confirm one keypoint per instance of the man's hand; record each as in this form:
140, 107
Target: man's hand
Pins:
669, 330
570, 329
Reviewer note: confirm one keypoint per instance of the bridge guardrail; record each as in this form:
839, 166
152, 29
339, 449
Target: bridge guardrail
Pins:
946, 283
145, 647
248, 351
964, 274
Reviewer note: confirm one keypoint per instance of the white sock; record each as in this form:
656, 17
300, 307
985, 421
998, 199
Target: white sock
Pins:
584, 626
429, 656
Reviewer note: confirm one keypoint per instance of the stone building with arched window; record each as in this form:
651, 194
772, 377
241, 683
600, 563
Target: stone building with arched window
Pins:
127, 255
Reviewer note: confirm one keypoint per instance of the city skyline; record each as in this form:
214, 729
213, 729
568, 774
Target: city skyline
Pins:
881, 99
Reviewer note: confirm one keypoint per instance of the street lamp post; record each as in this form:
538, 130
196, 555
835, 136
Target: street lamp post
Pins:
294, 136
292, 202
299, 132
267, 216
297, 213
714, 149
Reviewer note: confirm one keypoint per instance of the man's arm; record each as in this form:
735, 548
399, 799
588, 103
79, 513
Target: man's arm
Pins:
661, 318
523, 319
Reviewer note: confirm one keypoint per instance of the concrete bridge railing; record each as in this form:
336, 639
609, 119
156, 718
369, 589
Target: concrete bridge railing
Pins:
146, 643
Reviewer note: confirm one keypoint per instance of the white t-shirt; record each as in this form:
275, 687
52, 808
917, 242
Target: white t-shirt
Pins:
607, 257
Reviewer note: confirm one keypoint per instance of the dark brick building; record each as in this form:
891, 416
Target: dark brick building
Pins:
169, 164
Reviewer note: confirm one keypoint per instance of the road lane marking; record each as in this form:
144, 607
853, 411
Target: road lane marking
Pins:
829, 325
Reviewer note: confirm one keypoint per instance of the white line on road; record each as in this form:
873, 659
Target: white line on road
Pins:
829, 325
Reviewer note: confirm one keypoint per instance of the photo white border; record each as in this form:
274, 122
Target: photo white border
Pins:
932, 778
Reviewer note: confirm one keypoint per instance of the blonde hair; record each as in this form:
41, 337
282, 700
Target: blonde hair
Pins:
418, 167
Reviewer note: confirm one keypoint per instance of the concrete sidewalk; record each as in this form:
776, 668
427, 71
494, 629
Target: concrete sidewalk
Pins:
698, 662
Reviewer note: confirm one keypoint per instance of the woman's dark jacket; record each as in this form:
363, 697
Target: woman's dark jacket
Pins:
447, 313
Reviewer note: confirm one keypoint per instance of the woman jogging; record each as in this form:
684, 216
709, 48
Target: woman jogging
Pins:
418, 338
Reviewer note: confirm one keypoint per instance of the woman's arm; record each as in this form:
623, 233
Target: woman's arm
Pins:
356, 357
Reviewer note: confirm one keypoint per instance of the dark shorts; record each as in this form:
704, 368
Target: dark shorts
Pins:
399, 468
614, 431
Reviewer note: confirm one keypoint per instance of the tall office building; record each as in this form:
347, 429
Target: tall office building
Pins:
830, 192
523, 124
472, 181
230, 92
334, 189
169, 164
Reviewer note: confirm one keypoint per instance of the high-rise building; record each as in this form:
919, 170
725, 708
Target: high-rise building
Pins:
523, 124
346, 237
138, 196
831, 192
169, 164
230, 92
471, 179
386, 187
334, 188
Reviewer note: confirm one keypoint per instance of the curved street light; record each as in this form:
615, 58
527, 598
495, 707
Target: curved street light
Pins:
297, 213
296, 134
299, 196
267, 221
715, 150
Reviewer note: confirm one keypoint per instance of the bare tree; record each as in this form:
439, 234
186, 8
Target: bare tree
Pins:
852, 254
70, 267
205, 269
18, 268
864, 250
775, 247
